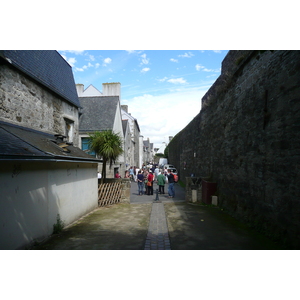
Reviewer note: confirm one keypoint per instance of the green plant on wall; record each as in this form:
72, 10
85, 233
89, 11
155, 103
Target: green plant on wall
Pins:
59, 225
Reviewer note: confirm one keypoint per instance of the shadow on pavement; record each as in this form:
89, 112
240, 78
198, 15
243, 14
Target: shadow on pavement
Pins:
117, 227
124, 226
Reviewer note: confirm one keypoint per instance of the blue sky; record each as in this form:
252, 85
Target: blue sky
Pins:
162, 88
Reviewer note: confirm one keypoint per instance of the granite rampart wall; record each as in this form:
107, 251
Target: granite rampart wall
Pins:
247, 139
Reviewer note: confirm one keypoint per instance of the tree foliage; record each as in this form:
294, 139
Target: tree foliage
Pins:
108, 146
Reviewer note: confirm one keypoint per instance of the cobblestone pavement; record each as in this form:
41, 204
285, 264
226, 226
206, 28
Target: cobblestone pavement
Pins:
158, 235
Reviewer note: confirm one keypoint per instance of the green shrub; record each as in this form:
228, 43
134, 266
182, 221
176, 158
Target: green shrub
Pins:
58, 227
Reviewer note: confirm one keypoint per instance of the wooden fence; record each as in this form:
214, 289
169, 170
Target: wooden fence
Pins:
109, 193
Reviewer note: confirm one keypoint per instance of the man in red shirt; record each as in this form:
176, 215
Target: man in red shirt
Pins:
150, 183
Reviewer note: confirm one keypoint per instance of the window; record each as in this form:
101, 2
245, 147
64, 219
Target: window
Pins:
85, 146
69, 130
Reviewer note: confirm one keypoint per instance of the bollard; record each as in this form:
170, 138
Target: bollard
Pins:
156, 199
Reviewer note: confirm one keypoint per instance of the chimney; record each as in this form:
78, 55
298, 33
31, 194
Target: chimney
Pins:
112, 89
125, 108
80, 89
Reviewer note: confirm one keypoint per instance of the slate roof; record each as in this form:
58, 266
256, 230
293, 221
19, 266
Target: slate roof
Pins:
22, 143
47, 67
98, 113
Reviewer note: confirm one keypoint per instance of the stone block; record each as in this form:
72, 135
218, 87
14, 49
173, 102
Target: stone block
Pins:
214, 200
194, 196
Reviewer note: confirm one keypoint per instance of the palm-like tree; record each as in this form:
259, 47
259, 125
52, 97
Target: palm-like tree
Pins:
107, 145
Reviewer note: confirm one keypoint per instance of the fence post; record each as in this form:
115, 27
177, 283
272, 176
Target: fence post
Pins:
126, 185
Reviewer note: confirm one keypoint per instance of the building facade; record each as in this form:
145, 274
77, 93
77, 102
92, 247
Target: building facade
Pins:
135, 136
101, 112
43, 174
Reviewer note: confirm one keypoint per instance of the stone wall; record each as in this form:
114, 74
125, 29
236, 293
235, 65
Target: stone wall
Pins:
246, 138
26, 103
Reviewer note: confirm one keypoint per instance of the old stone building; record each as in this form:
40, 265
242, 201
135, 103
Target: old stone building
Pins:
246, 138
128, 154
135, 159
43, 174
53, 108
148, 151
101, 111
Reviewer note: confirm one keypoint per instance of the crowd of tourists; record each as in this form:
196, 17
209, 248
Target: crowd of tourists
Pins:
147, 175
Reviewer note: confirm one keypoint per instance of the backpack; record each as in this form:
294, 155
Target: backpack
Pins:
175, 177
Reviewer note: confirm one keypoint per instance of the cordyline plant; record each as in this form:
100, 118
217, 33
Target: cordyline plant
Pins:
108, 146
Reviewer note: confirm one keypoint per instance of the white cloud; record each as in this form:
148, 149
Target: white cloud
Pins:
144, 70
145, 60
180, 107
199, 67
79, 69
92, 57
212, 70
72, 61
163, 79
188, 55
107, 60
85, 67
97, 65
177, 80
174, 60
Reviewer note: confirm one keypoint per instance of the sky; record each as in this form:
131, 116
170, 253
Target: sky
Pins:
162, 88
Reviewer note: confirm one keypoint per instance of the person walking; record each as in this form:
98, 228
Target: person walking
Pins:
150, 184
171, 190
145, 173
161, 180
140, 181
131, 174
156, 172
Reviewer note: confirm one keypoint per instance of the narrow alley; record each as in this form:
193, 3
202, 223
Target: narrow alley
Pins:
164, 224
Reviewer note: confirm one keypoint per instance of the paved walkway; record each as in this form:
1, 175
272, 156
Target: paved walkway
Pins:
158, 234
